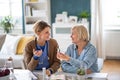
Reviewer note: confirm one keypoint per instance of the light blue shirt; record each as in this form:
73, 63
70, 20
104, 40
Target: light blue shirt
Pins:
88, 56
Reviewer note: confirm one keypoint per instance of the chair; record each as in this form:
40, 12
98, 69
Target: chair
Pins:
100, 64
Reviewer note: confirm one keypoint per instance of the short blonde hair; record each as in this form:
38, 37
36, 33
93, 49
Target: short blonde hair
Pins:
39, 26
81, 32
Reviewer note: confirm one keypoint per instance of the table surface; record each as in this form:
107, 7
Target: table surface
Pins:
28, 75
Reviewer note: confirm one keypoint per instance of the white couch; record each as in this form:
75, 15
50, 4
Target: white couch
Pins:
17, 60
9, 48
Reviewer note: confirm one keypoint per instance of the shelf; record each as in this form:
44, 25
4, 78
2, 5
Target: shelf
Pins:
33, 19
65, 25
64, 29
39, 2
34, 11
36, 5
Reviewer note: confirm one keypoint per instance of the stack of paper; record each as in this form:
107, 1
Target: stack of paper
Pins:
97, 76
23, 75
57, 77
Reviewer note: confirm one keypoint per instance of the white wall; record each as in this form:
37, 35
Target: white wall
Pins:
112, 43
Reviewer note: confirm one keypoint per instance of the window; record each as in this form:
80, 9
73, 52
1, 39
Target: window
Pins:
13, 8
111, 12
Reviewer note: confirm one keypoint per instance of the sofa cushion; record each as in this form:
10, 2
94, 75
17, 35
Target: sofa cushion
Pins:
22, 43
10, 44
2, 39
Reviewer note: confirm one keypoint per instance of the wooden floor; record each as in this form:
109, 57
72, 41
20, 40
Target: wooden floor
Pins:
112, 67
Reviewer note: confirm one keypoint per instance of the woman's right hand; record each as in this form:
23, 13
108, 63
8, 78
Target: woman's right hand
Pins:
58, 55
37, 52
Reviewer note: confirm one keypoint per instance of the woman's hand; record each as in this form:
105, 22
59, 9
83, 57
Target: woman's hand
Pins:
48, 72
62, 56
37, 52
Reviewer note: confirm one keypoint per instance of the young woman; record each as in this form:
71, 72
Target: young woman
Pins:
79, 53
42, 51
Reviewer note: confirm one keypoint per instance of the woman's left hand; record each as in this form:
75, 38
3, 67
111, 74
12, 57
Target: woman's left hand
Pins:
48, 72
62, 56
37, 52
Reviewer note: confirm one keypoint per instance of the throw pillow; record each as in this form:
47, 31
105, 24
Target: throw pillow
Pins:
21, 45
10, 45
2, 39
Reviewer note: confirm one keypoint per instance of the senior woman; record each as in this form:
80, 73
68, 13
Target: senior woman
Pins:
41, 52
80, 52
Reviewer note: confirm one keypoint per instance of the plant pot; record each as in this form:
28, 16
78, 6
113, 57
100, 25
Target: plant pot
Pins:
81, 77
84, 20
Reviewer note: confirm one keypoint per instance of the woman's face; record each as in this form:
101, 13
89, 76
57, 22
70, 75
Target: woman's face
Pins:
44, 34
74, 36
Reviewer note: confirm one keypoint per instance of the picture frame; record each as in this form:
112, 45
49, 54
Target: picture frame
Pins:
59, 18
73, 19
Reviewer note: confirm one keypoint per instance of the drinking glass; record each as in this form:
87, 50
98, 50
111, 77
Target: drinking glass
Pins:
82, 72
9, 65
61, 52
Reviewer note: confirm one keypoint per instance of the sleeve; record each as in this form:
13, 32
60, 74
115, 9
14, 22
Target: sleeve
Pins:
55, 62
89, 58
29, 61
66, 67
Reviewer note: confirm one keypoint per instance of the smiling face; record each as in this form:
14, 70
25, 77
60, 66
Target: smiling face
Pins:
44, 34
74, 36
42, 30
79, 33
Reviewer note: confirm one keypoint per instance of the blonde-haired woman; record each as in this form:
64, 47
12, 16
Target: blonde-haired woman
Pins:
41, 52
80, 52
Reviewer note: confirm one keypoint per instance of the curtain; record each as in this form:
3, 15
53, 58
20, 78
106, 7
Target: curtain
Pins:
97, 27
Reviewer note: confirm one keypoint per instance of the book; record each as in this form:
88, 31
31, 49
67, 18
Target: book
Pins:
33, 0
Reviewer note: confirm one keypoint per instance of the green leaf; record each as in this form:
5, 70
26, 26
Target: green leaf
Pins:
7, 23
81, 72
84, 14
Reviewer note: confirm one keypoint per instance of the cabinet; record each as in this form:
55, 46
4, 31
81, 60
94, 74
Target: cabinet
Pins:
62, 33
35, 10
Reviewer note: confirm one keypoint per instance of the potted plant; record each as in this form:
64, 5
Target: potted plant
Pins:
7, 24
84, 15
